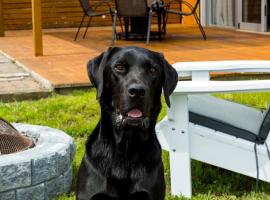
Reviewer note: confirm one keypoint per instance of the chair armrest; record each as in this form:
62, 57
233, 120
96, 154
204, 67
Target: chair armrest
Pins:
187, 68
199, 87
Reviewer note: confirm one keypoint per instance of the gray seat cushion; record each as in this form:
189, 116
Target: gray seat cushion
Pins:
222, 115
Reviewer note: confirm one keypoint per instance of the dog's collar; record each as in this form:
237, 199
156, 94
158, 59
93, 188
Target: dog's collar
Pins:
142, 122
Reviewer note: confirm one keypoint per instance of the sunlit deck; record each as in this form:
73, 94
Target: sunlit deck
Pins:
64, 60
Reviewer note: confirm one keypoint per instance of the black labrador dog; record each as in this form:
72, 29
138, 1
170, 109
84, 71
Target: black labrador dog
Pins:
123, 156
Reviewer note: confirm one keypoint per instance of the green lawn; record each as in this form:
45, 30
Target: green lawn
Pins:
78, 113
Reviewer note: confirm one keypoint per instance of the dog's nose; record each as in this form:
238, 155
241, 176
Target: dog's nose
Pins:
136, 90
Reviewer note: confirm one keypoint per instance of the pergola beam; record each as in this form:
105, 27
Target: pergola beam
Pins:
37, 27
2, 29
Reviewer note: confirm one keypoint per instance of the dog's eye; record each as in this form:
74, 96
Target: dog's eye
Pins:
152, 70
120, 68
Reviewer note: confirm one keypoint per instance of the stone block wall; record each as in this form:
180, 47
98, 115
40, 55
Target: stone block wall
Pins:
42, 172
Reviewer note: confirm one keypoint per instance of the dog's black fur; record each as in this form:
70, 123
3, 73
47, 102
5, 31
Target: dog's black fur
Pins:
123, 156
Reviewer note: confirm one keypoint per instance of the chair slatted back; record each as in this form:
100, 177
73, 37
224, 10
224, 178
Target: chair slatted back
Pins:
265, 126
131, 8
178, 6
85, 6
195, 6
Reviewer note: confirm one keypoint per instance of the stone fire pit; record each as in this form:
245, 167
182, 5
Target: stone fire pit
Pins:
42, 172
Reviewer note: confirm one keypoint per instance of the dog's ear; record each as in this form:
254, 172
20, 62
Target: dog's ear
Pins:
170, 80
96, 67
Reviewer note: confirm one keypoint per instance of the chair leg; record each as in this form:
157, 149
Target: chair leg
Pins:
159, 26
200, 26
180, 173
114, 28
126, 25
149, 27
79, 28
164, 21
112, 17
180, 166
111, 14
89, 22
166, 16
119, 18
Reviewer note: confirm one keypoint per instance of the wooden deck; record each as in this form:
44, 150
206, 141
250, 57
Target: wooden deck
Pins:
64, 61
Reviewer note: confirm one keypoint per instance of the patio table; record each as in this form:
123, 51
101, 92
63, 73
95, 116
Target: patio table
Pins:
138, 25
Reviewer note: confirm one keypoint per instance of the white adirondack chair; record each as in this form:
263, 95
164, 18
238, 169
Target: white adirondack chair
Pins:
215, 131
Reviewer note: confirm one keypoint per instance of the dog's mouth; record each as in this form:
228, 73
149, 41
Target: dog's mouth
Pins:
135, 113
134, 117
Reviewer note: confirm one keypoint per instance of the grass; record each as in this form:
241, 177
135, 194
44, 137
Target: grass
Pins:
78, 113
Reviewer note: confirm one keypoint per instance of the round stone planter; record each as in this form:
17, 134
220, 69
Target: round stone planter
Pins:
39, 173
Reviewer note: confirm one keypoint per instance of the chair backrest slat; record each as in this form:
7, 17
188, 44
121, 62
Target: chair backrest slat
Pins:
265, 126
180, 3
85, 6
132, 8
195, 6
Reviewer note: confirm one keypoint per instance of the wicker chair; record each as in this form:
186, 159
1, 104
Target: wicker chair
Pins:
90, 11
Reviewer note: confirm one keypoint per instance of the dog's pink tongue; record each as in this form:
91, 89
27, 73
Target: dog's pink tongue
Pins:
135, 113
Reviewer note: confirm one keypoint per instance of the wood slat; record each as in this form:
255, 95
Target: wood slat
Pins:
2, 31
16, 1
58, 20
58, 13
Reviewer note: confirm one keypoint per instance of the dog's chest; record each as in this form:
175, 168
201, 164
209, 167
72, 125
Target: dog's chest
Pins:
127, 167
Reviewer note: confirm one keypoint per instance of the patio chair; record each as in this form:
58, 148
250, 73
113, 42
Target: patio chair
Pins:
179, 12
91, 11
133, 9
215, 131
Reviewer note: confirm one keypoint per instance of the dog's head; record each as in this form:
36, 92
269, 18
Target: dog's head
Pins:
129, 83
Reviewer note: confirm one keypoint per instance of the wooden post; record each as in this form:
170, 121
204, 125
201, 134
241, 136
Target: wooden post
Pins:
37, 29
2, 30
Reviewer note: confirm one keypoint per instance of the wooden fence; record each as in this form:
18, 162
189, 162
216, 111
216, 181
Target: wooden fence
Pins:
55, 14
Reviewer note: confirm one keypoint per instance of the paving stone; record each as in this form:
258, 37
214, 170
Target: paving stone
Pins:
8, 195
34, 193
54, 187
15, 175
10, 68
4, 59
6, 86
26, 83
19, 88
